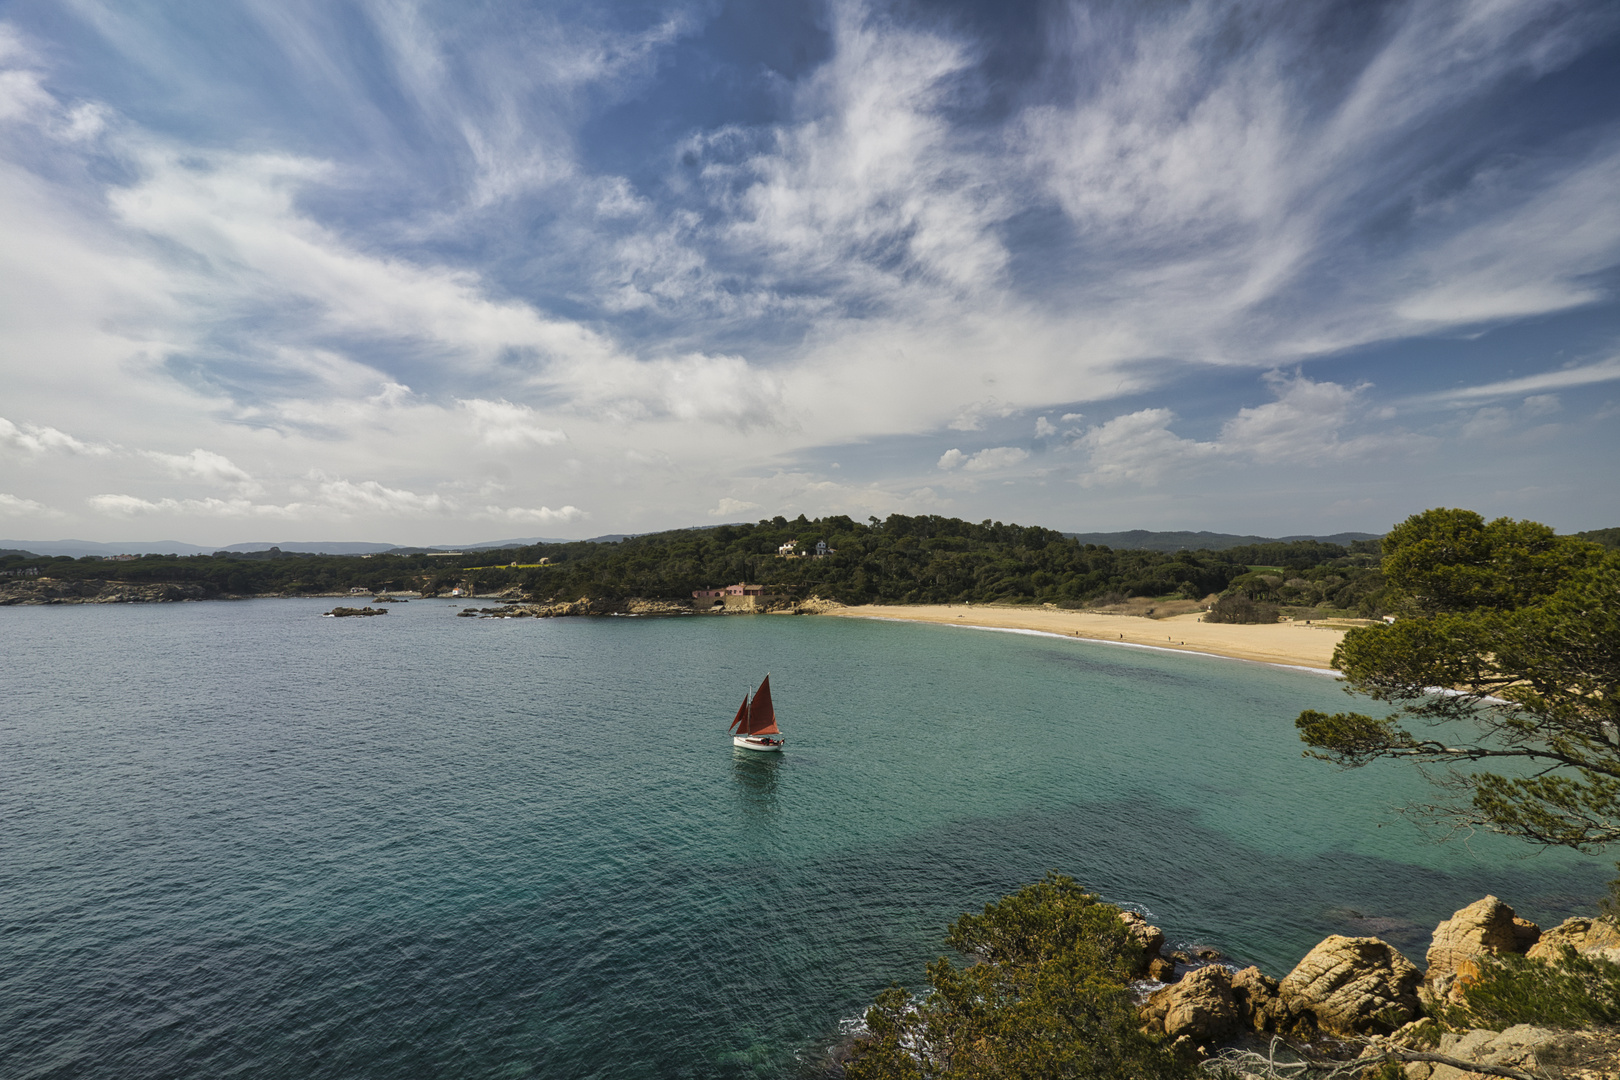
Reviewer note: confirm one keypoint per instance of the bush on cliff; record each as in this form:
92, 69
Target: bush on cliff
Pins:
1048, 999
1570, 991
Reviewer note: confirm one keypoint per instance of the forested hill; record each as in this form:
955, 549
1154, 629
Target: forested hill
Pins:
898, 560
1147, 540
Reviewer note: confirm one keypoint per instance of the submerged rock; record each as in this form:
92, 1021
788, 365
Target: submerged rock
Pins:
1353, 986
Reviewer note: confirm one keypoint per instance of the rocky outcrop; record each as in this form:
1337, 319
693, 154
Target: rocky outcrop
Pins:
1487, 927
1523, 1049
1260, 1002
348, 612
1149, 940
40, 591
1590, 937
1201, 1007
1353, 986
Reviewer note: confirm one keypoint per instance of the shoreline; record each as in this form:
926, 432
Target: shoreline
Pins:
1300, 645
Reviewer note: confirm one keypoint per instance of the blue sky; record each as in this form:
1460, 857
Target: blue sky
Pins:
441, 272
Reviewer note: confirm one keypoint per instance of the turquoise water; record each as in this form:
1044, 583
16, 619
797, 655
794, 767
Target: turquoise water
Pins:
239, 839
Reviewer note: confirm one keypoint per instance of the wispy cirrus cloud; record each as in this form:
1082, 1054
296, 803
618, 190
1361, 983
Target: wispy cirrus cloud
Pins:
380, 241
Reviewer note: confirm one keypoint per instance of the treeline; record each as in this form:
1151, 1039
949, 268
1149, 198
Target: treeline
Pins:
290, 573
926, 559
898, 560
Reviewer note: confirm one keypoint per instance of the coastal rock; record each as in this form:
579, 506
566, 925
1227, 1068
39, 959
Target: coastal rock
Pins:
347, 612
1162, 969
1148, 938
1353, 986
1487, 927
1590, 937
1260, 1002
44, 590
1523, 1047
1200, 1006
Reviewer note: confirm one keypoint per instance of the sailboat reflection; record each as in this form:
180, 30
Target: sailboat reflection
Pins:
756, 780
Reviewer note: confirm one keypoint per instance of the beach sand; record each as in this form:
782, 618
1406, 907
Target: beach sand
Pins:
1297, 644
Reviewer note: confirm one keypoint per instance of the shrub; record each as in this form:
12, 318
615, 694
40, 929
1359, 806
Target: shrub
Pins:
1049, 1000
1238, 608
1570, 991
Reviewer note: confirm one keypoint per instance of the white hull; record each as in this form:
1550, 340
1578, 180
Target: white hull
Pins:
748, 742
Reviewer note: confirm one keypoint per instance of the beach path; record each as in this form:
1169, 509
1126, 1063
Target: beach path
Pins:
1296, 643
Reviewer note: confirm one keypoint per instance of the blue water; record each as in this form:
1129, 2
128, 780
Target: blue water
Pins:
237, 839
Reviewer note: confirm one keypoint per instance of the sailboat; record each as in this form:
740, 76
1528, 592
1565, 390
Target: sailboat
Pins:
756, 721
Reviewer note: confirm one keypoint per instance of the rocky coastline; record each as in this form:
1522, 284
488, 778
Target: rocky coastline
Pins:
1358, 999
34, 592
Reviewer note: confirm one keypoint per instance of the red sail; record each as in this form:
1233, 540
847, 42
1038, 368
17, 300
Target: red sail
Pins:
761, 715
740, 724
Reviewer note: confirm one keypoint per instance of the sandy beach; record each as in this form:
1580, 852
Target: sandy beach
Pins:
1298, 644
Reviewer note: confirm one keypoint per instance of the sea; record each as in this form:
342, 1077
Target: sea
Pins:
241, 839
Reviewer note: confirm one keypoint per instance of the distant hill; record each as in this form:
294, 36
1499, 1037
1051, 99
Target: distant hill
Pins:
80, 548
1144, 540
4, 552
1609, 538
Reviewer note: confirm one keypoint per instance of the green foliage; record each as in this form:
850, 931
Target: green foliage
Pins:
1571, 991
1452, 560
1531, 662
899, 560
1238, 608
1048, 1000
1609, 538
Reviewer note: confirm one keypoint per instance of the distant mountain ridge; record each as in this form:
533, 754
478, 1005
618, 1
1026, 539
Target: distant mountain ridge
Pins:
1146, 540
80, 548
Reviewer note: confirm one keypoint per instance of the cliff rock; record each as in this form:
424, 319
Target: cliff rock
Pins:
1554, 1054
1353, 986
1487, 927
1200, 1006
1260, 1002
39, 591
1593, 937
1149, 938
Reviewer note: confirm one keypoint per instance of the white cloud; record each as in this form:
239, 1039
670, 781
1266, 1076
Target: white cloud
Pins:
1139, 448
34, 439
951, 458
1044, 428
201, 464
131, 505
1487, 423
1303, 426
1542, 405
14, 504
1562, 379
503, 425
729, 506
544, 515
995, 457
371, 496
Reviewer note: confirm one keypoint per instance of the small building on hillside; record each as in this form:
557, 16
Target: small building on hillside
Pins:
739, 597
788, 550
